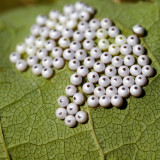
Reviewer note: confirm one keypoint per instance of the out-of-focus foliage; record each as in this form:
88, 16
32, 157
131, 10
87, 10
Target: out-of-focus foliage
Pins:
9, 4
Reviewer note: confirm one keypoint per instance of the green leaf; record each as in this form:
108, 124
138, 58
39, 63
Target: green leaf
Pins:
29, 128
3, 150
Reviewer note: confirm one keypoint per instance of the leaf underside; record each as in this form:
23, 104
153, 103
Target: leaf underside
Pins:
28, 126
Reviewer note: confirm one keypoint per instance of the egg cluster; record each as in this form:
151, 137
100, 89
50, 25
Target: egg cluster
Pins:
109, 66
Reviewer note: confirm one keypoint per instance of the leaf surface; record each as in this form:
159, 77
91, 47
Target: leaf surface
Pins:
29, 128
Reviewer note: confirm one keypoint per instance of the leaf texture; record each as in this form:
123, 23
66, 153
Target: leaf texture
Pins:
29, 128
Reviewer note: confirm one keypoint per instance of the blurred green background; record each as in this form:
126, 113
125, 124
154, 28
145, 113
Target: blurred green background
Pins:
9, 4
